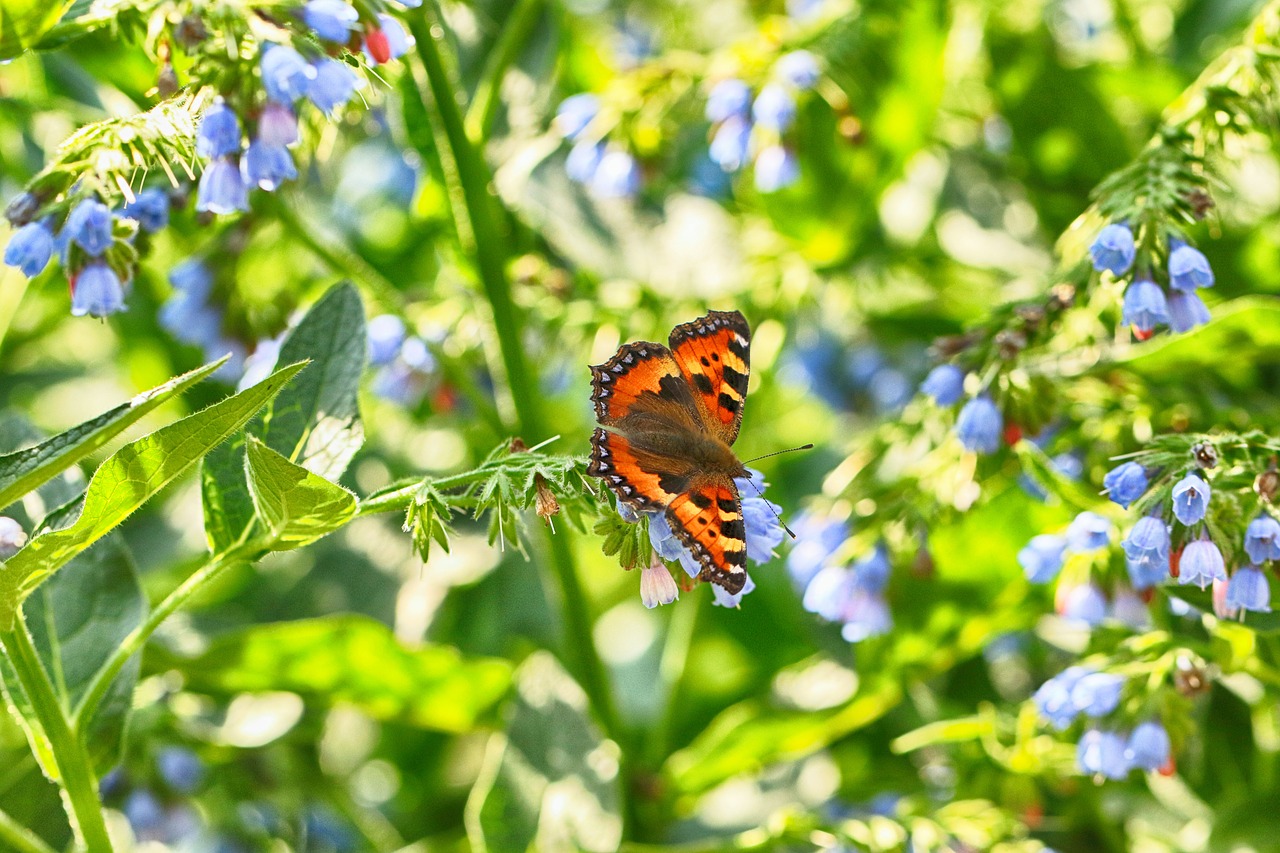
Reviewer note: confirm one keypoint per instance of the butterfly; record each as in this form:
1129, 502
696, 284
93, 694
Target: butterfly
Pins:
668, 417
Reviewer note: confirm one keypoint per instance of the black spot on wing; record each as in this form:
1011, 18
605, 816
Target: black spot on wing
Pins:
727, 504
700, 500
735, 380
734, 529
673, 484
703, 382
672, 387
728, 403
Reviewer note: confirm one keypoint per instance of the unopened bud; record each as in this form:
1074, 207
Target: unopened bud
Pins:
1061, 297
544, 501
1205, 454
1267, 483
191, 31
166, 81
21, 209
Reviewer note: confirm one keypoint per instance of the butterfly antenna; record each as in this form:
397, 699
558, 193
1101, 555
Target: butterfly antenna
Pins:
779, 453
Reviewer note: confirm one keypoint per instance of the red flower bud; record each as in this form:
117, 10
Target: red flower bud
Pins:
375, 40
1012, 433
1143, 335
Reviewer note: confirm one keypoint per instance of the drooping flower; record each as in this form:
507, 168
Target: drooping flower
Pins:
728, 98
721, 597
764, 531
945, 384
1102, 753
222, 188
97, 291
817, 539
575, 113
656, 584
1085, 603
192, 277
1089, 531
1262, 539
1249, 590
30, 248
583, 160
89, 224
1201, 564
979, 425
1186, 311
616, 176
1096, 694
1053, 698
842, 594
776, 168
731, 143
1144, 306
1114, 249
1191, 499
1148, 746
1147, 570
332, 86
1149, 538
799, 68
774, 108
277, 126
150, 209
12, 537
331, 19
1188, 268
1125, 483
219, 132
285, 74
267, 166
1041, 558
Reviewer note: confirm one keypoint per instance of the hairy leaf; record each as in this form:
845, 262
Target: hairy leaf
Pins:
296, 506
23, 22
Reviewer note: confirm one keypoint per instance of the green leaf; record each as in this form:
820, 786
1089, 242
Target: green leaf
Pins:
25, 470
551, 753
314, 423
23, 22
346, 659
77, 620
130, 477
296, 506
1247, 328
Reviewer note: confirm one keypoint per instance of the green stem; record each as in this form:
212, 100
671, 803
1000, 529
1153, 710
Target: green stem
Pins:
19, 838
475, 211
75, 772
675, 654
519, 23
138, 637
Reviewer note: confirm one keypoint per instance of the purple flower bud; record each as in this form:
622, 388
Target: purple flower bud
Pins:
285, 74
1113, 249
21, 209
1201, 564
12, 537
583, 160
1191, 499
872, 571
657, 586
1096, 694
979, 425
616, 176
1249, 590
1102, 753
89, 225
1041, 558
728, 98
723, 598
333, 85
96, 291
30, 248
1262, 539
776, 168
799, 68
575, 113
945, 384
1089, 531
1085, 603
1144, 306
150, 209
1125, 483
219, 132
774, 108
222, 188
1188, 268
1148, 746
386, 334
331, 19
731, 143
267, 166
277, 126
1186, 311
1149, 537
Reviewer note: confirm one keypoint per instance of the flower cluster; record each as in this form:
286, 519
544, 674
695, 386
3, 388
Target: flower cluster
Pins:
980, 426
1146, 304
97, 248
763, 534
851, 595
608, 170
1081, 691
193, 318
752, 127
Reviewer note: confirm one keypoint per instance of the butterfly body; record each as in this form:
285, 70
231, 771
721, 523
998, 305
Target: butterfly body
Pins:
669, 417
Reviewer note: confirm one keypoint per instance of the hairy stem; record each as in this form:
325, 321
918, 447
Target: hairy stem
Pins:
75, 771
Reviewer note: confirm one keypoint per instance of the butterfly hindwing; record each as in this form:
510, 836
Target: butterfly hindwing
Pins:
708, 521
713, 353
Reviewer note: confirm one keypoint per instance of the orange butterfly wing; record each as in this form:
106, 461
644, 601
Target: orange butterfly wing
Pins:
708, 521
713, 353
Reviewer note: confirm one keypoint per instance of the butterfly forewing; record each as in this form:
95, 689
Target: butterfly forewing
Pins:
713, 353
